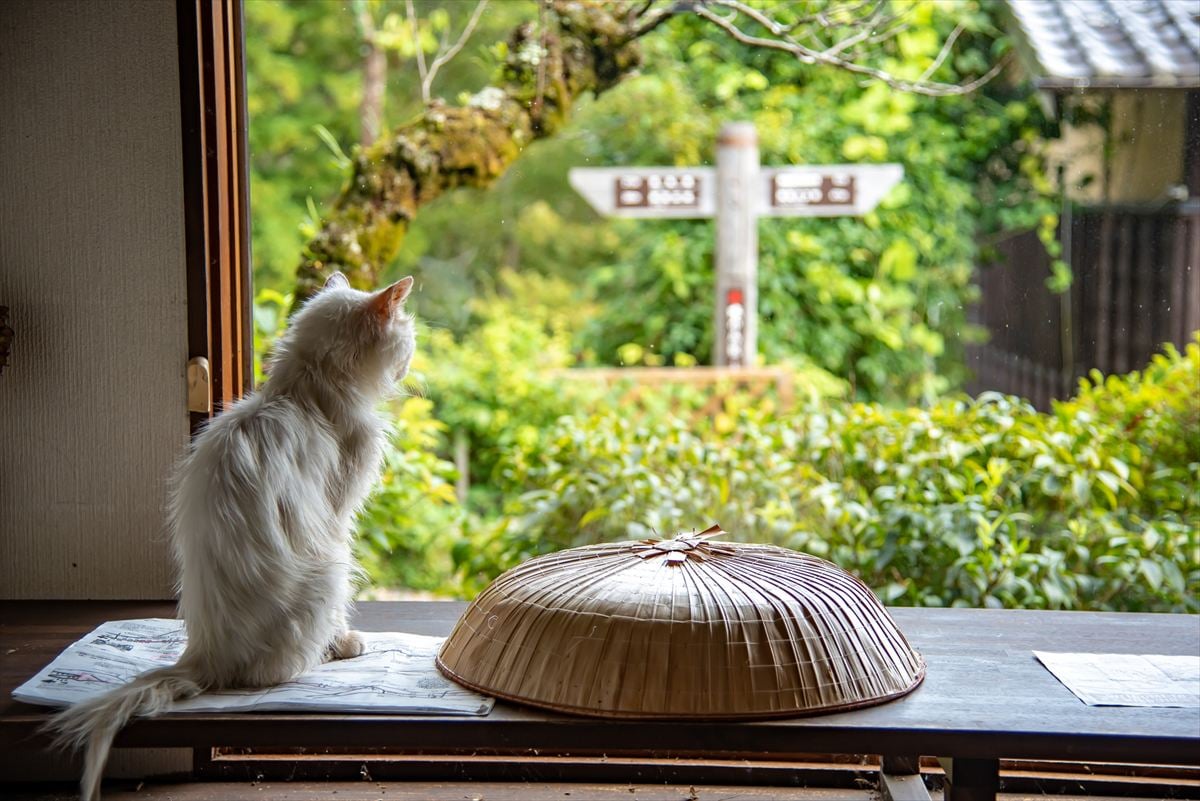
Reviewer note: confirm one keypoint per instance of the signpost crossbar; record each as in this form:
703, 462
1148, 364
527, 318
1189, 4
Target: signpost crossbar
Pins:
737, 192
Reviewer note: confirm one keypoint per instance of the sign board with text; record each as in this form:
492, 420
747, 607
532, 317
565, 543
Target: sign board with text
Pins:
683, 193
657, 192
736, 192
825, 190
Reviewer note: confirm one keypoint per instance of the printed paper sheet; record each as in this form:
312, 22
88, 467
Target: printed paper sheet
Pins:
1127, 679
396, 675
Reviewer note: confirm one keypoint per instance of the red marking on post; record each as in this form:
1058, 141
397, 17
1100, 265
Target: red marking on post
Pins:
734, 296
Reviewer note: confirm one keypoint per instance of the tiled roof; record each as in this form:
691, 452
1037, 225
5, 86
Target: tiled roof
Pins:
1112, 43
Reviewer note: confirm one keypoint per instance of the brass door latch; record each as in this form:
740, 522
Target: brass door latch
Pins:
199, 385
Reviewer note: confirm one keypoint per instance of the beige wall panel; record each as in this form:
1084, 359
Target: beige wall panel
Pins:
92, 405
1147, 142
1150, 127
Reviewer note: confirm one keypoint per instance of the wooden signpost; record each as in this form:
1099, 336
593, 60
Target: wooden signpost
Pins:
737, 192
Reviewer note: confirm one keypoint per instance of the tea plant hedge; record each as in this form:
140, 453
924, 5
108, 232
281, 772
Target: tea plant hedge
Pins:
982, 502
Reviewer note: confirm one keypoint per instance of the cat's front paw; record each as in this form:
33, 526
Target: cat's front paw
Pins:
347, 645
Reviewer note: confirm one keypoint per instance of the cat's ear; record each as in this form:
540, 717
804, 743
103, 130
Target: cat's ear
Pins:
386, 301
338, 280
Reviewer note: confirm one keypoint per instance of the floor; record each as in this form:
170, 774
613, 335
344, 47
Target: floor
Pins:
435, 791
463, 791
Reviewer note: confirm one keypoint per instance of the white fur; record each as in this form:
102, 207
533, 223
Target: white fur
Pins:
261, 516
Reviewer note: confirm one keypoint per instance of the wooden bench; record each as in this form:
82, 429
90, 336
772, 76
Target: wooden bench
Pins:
985, 698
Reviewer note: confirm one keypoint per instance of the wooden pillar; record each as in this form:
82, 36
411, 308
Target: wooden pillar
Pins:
736, 327
971, 779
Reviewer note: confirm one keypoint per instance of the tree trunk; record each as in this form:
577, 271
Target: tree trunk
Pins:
370, 110
589, 46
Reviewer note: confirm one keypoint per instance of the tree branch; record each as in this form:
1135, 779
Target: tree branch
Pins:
443, 57
585, 47
945, 51
647, 20
370, 110
414, 22
831, 56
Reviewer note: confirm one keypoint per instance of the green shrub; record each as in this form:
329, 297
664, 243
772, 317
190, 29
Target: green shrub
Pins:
880, 300
983, 503
979, 503
496, 386
406, 520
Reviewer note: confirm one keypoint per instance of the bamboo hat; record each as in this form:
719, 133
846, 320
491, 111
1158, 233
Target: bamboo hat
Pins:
681, 628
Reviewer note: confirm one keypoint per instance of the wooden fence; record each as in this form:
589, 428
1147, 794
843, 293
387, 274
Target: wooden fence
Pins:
1136, 286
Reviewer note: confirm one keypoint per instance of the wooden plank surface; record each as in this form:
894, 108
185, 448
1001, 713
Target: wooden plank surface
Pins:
436, 791
985, 696
468, 791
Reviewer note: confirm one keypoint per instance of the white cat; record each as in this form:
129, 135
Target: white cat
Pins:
261, 515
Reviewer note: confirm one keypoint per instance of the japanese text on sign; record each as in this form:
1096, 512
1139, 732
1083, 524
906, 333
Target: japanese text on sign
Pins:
812, 189
657, 191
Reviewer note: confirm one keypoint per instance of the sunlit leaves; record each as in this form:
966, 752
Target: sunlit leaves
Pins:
983, 503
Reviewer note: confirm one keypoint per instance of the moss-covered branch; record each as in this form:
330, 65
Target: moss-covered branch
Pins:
586, 46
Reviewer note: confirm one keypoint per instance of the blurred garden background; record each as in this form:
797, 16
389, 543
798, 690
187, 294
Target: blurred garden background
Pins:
864, 447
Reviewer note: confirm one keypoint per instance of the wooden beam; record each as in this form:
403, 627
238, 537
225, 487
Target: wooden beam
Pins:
902, 788
900, 778
367, 790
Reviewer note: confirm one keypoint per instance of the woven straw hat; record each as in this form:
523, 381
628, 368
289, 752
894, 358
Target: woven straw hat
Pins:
681, 628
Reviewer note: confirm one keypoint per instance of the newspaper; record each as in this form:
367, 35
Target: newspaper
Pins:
1127, 679
396, 675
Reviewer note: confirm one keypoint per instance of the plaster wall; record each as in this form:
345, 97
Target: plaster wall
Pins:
93, 402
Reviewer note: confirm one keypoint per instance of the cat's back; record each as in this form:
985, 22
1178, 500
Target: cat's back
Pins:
260, 458
259, 431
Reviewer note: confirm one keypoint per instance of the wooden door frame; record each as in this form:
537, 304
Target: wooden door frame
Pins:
212, 81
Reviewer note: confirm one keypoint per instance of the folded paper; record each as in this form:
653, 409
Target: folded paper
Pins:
395, 676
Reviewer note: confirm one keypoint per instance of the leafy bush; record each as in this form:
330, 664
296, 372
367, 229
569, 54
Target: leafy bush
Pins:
978, 503
879, 300
983, 503
406, 520
496, 386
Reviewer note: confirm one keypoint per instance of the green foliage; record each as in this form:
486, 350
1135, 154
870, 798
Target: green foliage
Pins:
982, 503
401, 529
304, 63
879, 300
302, 69
979, 503
269, 318
496, 386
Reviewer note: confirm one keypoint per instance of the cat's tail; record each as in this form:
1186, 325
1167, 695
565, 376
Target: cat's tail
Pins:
91, 725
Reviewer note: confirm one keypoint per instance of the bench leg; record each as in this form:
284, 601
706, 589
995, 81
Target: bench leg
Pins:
900, 778
971, 779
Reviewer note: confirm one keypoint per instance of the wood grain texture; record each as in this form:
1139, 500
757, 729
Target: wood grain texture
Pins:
91, 266
440, 791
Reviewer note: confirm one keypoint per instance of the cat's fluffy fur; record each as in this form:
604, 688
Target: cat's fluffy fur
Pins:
261, 515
